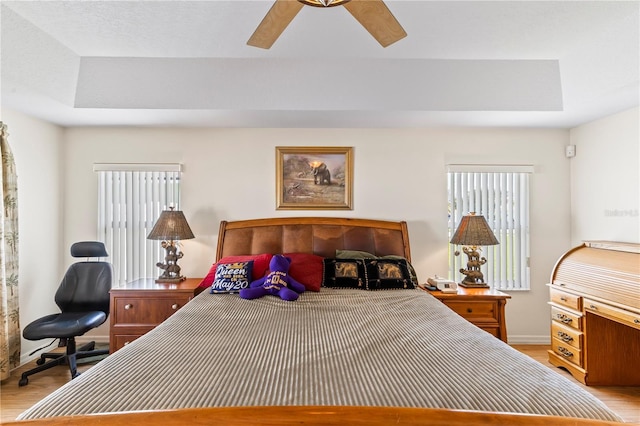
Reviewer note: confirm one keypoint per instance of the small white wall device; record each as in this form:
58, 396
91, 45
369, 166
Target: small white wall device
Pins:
570, 151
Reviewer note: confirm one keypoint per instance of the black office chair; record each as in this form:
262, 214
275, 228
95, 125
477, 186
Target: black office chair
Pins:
83, 298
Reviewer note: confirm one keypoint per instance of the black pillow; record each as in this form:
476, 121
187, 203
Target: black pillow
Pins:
385, 274
358, 254
344, 273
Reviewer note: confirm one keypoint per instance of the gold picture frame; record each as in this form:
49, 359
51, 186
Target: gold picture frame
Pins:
314, 178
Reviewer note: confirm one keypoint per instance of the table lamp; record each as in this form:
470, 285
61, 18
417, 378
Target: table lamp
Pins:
171, 226
473, 231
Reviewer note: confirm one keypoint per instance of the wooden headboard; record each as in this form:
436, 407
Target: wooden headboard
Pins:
318, 235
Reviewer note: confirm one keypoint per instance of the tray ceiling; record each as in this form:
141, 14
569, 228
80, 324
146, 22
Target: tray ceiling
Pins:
186, 63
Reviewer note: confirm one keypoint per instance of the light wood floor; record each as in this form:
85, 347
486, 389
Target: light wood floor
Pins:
14, 399
625, 401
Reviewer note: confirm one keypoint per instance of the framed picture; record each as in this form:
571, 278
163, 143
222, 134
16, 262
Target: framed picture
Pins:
314, 178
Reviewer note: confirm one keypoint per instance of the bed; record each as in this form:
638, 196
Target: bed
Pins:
334, 356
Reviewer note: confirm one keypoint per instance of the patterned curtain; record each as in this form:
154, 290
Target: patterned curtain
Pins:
9, 308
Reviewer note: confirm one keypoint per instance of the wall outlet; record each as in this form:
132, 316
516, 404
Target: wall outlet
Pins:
570, 151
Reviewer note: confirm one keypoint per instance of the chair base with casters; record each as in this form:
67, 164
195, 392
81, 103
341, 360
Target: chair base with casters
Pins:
69, 357
83, 299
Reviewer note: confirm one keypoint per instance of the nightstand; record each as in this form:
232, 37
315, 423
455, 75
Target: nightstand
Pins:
483, 307
139, 306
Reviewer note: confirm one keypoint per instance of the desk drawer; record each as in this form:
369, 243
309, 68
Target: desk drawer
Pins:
567, 335
566, 352
616, 314
568, 300
570, 319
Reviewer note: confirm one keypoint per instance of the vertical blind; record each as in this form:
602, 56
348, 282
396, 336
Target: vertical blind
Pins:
501, 195
130, 200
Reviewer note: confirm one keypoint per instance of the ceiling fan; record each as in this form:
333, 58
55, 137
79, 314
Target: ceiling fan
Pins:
373, 15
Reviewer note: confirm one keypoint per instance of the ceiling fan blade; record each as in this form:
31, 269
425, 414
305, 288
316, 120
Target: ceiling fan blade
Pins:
273, 24
376, 18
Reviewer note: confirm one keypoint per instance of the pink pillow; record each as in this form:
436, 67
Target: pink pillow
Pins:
260, 267
307, 269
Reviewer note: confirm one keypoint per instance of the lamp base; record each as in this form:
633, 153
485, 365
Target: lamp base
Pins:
473, 285
171, 268
473, 274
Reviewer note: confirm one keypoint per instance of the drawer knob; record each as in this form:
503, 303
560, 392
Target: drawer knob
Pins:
174, 306
565, 352
469, 310
128, 306
565, 319
594, 307
636, 321
564, 337
564, 299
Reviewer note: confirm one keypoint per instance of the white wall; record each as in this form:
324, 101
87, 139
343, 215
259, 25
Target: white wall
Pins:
399, 175
605, 179
37, 149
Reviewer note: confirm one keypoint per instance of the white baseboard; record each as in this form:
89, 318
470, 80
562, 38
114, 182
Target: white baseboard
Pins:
27, 356
80, 340
529, 340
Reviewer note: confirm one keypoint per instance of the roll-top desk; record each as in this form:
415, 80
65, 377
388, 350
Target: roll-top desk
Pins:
595, 313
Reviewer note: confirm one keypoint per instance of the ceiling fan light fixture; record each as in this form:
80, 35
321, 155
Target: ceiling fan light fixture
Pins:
373, 15
323, 3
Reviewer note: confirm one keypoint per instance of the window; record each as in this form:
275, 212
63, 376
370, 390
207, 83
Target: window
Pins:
130, 200
501, 195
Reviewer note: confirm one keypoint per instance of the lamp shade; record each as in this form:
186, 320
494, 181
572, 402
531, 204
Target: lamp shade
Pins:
474, 231
171, 225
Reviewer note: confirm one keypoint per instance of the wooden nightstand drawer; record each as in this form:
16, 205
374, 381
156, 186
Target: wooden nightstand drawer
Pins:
146, 310
474, 311
482, 307
122, 340
139, 306
494, 331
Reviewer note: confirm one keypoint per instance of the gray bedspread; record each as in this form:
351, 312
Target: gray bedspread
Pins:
336, 347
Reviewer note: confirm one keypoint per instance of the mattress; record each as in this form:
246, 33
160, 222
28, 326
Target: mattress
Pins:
351, 347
